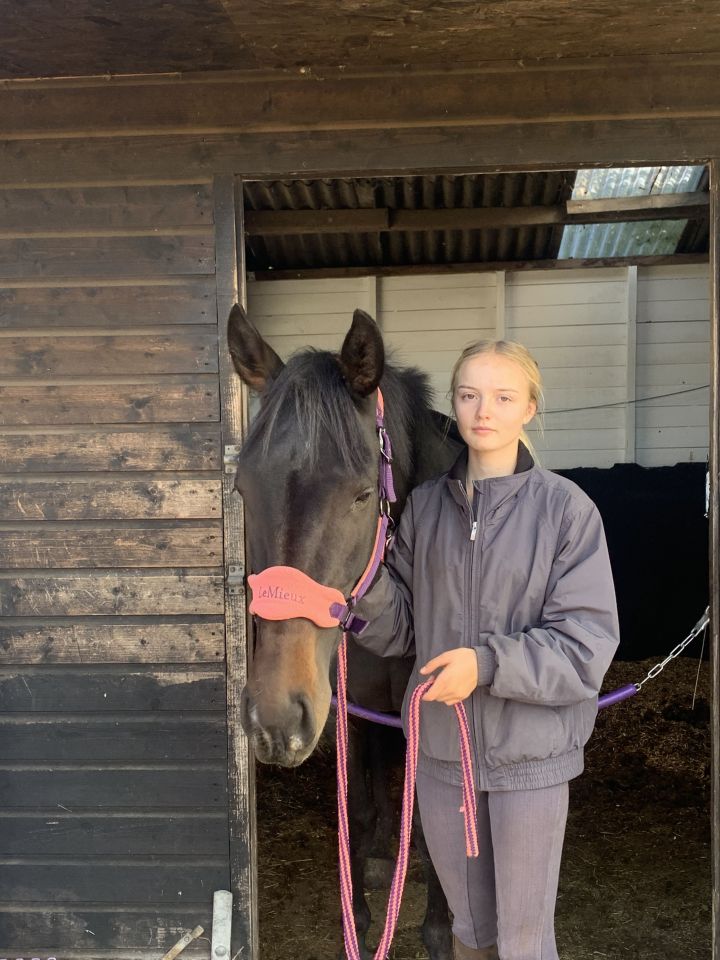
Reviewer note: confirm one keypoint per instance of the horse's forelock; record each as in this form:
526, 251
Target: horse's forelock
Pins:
310, 398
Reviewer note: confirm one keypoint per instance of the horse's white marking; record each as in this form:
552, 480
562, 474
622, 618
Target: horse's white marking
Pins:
295, 743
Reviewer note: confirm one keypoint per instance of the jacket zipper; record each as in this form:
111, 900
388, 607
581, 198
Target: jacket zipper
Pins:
469, 623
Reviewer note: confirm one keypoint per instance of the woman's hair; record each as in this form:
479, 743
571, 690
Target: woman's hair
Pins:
521, 356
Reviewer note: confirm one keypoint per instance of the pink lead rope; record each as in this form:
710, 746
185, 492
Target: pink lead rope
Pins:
352, 949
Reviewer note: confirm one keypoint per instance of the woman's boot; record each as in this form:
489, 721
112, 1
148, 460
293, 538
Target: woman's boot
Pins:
461, 952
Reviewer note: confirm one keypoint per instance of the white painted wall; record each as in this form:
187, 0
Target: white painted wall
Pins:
601, 337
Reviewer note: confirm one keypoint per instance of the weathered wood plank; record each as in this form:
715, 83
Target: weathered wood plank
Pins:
133, 355
490, 94
554, 145
100, 499
114, 403
107, 594
103, 641
105, 257
107, 688
232, 288
126, 737
88, 208
146, 882
181, 448
119, 305
39, 546
59, 928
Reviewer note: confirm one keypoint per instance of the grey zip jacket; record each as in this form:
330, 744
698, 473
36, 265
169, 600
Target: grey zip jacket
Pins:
521, 575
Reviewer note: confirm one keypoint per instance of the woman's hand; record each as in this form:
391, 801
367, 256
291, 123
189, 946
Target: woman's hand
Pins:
457, 678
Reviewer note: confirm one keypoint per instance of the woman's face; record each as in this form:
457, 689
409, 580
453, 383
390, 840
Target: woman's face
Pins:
492, 402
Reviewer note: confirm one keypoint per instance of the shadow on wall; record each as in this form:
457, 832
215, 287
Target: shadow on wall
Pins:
657, 536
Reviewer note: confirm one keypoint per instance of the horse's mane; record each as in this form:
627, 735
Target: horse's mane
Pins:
311, 398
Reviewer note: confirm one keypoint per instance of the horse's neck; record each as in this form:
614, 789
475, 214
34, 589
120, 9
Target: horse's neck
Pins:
436, 449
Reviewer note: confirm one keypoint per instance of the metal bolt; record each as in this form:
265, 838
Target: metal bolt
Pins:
220, 951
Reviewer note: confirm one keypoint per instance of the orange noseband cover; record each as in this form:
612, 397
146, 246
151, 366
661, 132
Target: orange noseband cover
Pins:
282, 593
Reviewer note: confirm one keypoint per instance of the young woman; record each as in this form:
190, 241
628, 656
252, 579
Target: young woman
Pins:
499, 582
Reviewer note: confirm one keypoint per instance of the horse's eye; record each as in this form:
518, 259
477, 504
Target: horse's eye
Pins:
363, 498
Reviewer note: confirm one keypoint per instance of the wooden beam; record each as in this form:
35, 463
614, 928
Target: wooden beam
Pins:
512, 146
271, 223
230, 274
659, 206
477, 267
251, 103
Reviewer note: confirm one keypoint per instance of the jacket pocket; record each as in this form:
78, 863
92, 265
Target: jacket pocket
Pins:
515, 732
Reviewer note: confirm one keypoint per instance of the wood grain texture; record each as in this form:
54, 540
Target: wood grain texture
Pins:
32, 356
180, 448
108, 306
148, 640
231, 289
150, 882
63, 927
105, 257
141, 737
104, 688
106, 208
110, 594
69, 546
100, 498
555, 145
161, 402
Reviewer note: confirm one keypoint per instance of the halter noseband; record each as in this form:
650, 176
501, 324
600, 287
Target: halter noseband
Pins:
283, 593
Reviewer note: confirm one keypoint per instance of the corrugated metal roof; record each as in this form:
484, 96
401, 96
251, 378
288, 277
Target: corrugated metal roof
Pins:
642, 238
407, 193
471, 191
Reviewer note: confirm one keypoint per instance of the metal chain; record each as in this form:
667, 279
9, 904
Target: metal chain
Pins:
659, 667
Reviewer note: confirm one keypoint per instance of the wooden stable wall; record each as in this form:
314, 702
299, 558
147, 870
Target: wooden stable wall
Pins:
113, 746
602, 337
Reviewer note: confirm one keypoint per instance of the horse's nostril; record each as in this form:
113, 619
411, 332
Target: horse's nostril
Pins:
306, 718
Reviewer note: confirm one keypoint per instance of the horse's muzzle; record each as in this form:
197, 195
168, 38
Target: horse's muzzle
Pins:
291, 736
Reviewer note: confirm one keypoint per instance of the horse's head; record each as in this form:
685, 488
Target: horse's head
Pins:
308, 474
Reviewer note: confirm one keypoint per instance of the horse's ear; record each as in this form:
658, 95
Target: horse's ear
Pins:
362, 357
255, 360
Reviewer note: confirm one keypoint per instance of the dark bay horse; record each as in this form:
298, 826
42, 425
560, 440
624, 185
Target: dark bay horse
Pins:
308, 473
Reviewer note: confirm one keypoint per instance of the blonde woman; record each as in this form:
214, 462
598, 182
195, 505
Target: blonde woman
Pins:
499, 582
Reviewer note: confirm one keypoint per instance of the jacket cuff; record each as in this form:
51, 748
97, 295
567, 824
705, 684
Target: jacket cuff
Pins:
487, 664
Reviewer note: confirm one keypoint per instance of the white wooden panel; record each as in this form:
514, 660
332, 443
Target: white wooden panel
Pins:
672, 437
564, 314
550, 277
569, 459
676, 354
678, 397
598, 439
477, 322
286, 346
668, 457
675, 416
468, 298
585, 419
283, 304
301, 288
673, 353
666, 377
564, 290
587, 335
682, 311
674, 332
439, 281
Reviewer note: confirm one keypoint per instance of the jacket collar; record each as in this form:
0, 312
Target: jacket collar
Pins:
498, 489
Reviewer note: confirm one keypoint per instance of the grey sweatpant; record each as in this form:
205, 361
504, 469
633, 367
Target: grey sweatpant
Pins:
507, 895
